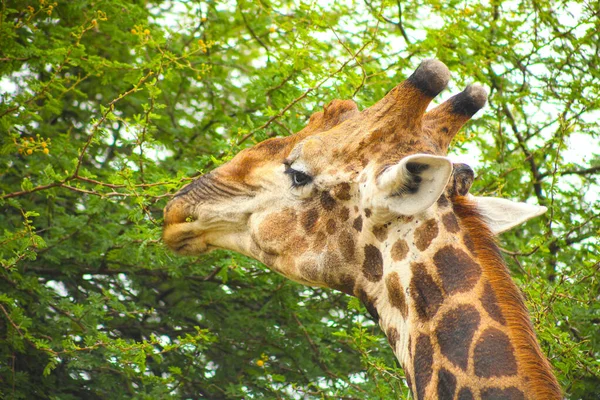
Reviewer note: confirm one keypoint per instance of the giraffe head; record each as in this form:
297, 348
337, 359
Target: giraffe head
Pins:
316, 206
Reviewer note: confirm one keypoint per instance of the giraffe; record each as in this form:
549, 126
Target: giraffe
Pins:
367, 203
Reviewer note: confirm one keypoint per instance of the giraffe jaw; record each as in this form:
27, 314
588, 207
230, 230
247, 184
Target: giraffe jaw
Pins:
184, 240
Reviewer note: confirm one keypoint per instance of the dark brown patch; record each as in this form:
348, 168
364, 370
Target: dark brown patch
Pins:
455, 332
425, 292
450, 222
446, 385
344, 214
344, 284
425, 234
494, 355
309, 219
396, 293
346, 245
468, 241
380, 232
510, 393
465, 394
330, 227
399, 250
367, 212
327, 201
490, 303
357, 223
368, 303
392, 337
423, 364
319, 242
442, 201
409, 346
373, 265
342, 191
457, 270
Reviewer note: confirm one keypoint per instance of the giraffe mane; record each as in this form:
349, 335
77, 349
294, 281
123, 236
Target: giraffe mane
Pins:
542, 383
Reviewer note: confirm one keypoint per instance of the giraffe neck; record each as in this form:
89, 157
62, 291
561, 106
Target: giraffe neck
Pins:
452, 314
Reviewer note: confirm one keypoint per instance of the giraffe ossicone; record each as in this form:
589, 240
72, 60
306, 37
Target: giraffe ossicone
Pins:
367, 202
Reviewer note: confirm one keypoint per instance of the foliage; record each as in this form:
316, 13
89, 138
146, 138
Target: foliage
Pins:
108, 107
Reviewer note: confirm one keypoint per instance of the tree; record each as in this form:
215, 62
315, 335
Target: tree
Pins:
109, 107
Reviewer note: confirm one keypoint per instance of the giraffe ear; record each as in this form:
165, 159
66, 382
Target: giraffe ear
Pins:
412, 185
502, 214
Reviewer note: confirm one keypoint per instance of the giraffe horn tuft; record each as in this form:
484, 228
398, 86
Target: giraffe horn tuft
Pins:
431, 77
443, 122
469, 101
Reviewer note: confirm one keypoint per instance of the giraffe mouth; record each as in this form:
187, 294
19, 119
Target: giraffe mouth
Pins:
184, 240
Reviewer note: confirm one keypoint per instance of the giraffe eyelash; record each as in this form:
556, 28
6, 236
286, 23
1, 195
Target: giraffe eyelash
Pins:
298, 178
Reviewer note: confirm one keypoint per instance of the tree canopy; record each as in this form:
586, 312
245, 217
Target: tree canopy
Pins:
109, 107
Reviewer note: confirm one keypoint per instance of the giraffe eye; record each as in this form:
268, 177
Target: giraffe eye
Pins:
298, 178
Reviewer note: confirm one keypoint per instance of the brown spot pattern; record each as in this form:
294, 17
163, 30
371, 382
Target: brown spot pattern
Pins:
380, 232
327, 202
330, 227
308, 220
358, 223
392, 337
368, 303
510, 393
345, 284
373, 264
456, 269
490, 304
465, 394
342, 191
346, 245
425, 292
494, 355
468, 241
455, 332
450, 222
344, 214
423, 364
425, 234
446, 385
367, 212
320, 241
396, 293
399, 250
